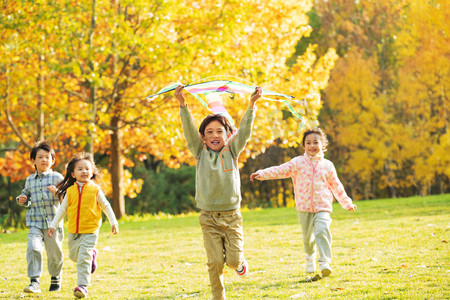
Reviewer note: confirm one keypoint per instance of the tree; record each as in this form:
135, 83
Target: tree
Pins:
385, 99
111, 55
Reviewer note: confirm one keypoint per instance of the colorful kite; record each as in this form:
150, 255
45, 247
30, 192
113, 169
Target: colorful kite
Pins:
213, 102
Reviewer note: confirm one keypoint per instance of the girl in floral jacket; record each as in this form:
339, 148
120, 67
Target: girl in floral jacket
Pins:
315, 182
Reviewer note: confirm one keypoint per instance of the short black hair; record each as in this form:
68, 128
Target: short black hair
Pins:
42, 146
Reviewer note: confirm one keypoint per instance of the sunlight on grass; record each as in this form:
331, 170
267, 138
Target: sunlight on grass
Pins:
388, 249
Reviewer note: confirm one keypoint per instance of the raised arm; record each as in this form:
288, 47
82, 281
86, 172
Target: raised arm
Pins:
255, 96
239, 140
180, 96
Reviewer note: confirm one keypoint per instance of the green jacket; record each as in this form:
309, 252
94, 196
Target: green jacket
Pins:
218, 183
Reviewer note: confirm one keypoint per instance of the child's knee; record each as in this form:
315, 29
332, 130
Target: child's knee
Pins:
321, 231
235, 261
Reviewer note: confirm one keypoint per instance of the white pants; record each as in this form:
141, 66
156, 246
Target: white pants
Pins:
38, 239
81, 247
316, 231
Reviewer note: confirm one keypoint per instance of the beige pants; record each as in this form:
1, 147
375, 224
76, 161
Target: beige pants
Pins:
81, 248
223, 238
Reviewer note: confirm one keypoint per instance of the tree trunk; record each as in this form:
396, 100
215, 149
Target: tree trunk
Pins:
40, 101
92, 121
92, 89
117, 168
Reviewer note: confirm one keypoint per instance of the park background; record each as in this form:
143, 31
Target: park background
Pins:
77, 74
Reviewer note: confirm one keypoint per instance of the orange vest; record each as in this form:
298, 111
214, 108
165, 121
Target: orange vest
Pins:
84, 212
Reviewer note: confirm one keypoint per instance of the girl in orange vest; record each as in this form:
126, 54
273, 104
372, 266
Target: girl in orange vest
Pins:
83, 201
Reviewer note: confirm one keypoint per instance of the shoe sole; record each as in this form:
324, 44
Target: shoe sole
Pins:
326, 272
27, 290
79, 294
244, 272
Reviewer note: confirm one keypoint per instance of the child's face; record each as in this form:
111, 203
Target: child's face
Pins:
83, 171
43, 161
215, 136
313, 144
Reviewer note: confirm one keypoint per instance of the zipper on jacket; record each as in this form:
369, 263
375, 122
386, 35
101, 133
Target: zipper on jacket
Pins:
312, 184
79, 205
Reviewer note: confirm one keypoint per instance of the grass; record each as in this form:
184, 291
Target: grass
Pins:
388, 249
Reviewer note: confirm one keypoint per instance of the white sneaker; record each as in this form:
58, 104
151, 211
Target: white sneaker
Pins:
325, 269
243, 270
310, 263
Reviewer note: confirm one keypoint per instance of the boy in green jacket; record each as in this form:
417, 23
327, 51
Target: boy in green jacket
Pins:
218, 187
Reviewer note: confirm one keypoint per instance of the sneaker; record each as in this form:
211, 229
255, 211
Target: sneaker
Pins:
243, 270
54, 285
325, 269
80, 292
310, 263
94, 261
33, 288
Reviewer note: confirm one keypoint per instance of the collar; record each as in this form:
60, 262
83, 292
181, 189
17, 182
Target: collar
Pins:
36, 174
318, 156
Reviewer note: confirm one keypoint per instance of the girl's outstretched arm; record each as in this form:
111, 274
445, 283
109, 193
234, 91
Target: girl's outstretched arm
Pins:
254, 176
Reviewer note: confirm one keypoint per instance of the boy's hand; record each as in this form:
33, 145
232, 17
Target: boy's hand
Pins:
50, 232
253, 176
179, 95
115, 229
352, 208
22, 199
255, 96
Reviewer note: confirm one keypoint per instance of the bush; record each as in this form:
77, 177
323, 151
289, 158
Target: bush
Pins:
169, 190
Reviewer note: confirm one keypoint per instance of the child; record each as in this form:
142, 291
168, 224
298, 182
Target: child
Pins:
315, 181
42, 206
84, 202
218, 193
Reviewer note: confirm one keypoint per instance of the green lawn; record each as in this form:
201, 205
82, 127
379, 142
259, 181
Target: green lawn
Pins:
388, 249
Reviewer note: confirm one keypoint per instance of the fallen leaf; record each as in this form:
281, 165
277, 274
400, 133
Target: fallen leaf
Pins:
336, 289
444, 241
404, 266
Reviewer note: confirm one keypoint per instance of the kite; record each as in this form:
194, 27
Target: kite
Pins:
213, 102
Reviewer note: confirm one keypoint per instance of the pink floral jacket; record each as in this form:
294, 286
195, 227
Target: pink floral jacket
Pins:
315, 181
